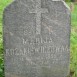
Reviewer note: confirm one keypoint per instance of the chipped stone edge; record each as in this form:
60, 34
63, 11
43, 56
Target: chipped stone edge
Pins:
8, 6
64, 4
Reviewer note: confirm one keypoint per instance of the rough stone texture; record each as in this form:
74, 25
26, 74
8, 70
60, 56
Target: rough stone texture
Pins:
36, 38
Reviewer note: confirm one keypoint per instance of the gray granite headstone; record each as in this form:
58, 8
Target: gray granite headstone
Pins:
36, 38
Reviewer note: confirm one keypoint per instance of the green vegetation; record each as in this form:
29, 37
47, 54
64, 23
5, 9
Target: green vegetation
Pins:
67, 0
73, 39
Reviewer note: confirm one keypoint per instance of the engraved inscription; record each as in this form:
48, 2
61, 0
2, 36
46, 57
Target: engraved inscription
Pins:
41, 51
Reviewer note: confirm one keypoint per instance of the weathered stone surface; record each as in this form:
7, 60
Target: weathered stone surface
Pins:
36, 38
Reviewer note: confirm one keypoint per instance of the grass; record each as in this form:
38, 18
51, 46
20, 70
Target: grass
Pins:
73, 39
73, 42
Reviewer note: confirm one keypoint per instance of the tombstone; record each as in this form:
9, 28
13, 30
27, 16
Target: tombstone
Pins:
36, 38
